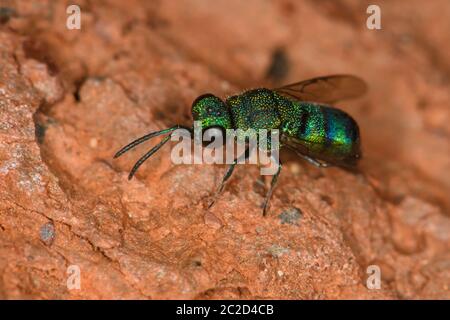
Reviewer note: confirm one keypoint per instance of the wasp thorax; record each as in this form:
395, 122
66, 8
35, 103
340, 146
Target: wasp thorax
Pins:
211, 111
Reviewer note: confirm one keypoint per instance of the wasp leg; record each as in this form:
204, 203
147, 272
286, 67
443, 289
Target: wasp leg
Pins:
315, 162
269, 193
228, 174
309, 159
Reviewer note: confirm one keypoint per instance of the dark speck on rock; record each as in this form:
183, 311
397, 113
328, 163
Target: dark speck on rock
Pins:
279, 67
47, 233
6, 13
197, 263
40, 132
290, 216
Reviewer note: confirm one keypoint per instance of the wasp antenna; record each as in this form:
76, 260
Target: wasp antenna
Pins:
138, 141
147, 155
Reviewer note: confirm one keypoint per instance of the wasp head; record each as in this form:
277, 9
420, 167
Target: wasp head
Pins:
211, 111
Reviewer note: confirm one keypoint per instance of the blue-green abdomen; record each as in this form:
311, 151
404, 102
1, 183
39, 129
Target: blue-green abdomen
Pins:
324, 132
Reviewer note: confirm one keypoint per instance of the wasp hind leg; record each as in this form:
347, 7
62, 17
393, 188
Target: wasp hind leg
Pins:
315, 162
312, 161
272, 186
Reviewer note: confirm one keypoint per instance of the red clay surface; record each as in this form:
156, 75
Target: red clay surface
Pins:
70, 98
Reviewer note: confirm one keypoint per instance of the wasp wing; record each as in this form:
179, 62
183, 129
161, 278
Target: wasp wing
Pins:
327, 89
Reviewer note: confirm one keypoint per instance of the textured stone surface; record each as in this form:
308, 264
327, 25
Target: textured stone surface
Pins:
70, 98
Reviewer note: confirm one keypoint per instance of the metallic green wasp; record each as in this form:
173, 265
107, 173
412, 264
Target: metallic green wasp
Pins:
316, 131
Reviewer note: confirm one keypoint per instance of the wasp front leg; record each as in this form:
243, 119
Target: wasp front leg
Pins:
228, 174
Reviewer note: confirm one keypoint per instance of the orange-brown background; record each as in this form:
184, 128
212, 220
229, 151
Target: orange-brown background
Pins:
70, 98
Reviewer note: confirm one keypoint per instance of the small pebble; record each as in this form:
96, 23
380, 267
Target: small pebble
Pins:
93, 143
47, 233
295, 168
277, 251
290, 216
212, 220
